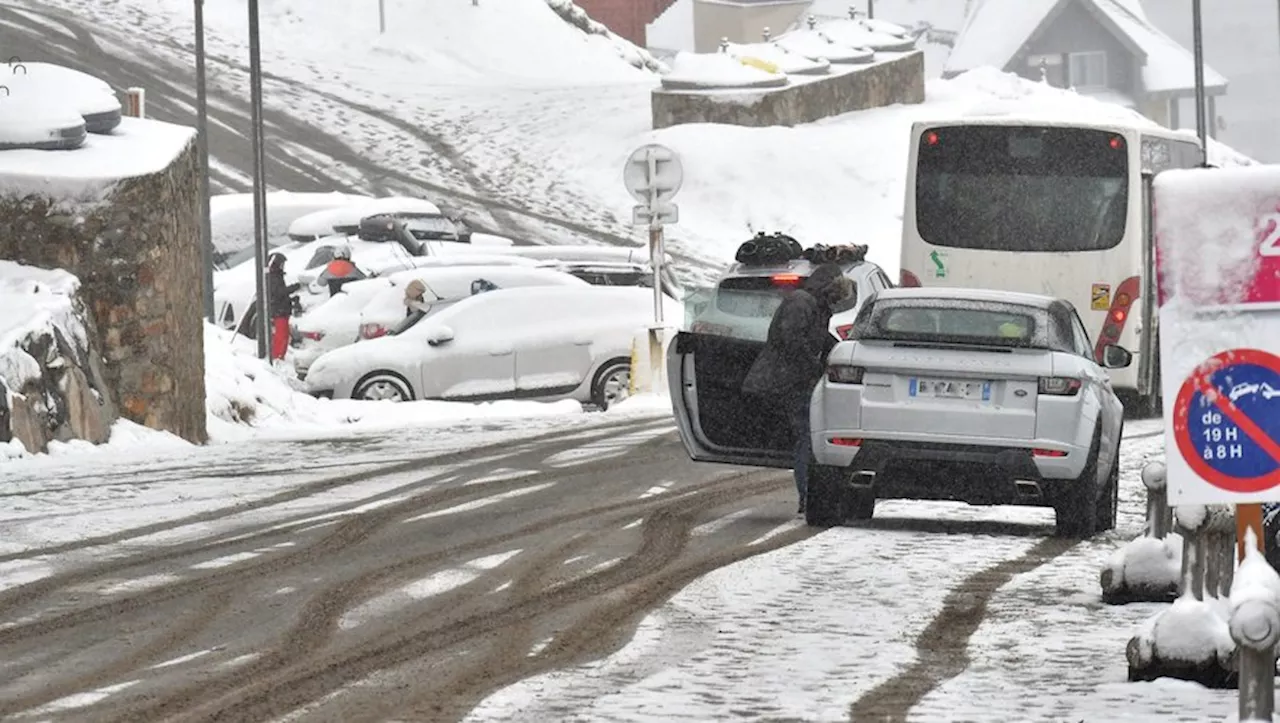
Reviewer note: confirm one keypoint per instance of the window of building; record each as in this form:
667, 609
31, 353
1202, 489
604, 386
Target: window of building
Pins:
1088, 70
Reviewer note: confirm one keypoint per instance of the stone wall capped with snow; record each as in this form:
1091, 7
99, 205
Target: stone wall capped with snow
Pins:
888, 82
128, 228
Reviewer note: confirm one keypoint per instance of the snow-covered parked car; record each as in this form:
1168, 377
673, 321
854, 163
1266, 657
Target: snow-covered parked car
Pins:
40, 123
549, 342
985, 397
375, 307
90, 97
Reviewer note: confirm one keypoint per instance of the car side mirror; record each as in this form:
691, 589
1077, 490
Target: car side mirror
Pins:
1116, 357
439, 335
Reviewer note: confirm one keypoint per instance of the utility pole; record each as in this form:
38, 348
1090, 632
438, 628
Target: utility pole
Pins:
259, 182
202, 147
1201, 121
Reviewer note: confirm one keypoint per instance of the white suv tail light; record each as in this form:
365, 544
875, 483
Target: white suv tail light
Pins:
844, 374
1059, 386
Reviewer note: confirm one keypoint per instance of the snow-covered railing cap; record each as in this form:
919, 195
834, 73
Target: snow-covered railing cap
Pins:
1255, 599
1155, 475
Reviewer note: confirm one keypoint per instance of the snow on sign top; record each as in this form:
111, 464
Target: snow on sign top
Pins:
1218, 237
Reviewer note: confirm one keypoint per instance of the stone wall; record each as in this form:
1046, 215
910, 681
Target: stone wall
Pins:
137, 254
888, 82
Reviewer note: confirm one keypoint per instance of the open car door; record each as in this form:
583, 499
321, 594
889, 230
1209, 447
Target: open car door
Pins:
717, 422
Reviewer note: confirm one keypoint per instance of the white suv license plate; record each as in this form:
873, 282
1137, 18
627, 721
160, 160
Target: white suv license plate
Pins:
975, 390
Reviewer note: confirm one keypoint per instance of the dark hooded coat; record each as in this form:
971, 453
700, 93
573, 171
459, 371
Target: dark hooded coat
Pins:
795, 351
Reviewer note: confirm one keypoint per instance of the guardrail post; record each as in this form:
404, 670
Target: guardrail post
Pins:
1220, 548
1192, 521
1255, 627
1159, 515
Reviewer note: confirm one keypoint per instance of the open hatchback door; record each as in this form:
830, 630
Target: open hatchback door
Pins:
717, 422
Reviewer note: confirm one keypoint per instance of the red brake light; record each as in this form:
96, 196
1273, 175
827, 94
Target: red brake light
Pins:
372, 331
1116, 143
1119, 315
843, 330
846, 441
787, 279
908, 279
1048, 453
1059, 386
931, 138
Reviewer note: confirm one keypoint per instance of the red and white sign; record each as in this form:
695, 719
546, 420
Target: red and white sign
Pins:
1218, 272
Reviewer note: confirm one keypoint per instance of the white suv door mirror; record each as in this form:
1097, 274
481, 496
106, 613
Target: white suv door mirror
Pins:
1116, 357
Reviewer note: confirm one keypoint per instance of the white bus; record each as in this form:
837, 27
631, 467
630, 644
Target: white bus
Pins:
1057, 208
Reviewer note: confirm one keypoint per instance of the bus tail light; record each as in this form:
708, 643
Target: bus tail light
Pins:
908, 279
1117, 315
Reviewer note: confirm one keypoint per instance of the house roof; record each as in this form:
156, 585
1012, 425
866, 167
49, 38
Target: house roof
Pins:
996, 31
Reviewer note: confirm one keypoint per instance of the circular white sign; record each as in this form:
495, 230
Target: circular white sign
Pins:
653, 174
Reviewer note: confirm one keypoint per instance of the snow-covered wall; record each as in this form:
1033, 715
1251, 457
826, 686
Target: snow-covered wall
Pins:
121, 214
52, 385
898, 79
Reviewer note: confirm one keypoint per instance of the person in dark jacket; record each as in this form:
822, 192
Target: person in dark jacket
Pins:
279, 305
794, 358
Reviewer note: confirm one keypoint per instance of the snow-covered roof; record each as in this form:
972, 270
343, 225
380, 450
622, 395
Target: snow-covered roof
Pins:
996, 31
137, 147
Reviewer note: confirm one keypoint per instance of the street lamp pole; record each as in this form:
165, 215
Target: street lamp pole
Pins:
259, 182
202, 147
1198, 39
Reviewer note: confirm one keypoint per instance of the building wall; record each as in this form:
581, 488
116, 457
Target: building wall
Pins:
890, 82
627, 18
714, 20
1077, 30
137, 255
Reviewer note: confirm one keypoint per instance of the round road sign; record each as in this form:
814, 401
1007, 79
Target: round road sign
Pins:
653, 174
1226, 420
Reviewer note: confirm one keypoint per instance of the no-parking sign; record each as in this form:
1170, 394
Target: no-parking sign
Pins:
1218, 268
1226, 421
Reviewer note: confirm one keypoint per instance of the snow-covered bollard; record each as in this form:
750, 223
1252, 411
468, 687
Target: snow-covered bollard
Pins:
1255, 627
1148, 568
1192, 639
1155, 477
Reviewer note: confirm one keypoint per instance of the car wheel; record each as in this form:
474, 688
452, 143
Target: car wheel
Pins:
383, 386
1075, 504
612, 384
824, 500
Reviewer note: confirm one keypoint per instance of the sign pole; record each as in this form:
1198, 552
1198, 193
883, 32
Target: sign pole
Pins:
655, 261
259, 183
202, 138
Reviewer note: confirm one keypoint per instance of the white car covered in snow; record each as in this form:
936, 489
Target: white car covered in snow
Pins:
560, 342
372, 308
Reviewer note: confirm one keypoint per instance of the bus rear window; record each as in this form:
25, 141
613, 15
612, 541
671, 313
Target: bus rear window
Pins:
1022, 188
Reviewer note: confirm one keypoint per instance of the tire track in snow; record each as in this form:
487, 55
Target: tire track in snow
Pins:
943, 647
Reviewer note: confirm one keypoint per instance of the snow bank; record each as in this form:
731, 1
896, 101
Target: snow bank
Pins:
718, 70
137, 147
1193, 631
34, 300
247, 396
1145, 568
634, 55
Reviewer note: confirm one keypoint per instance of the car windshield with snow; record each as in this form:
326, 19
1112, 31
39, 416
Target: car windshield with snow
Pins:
943, 394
